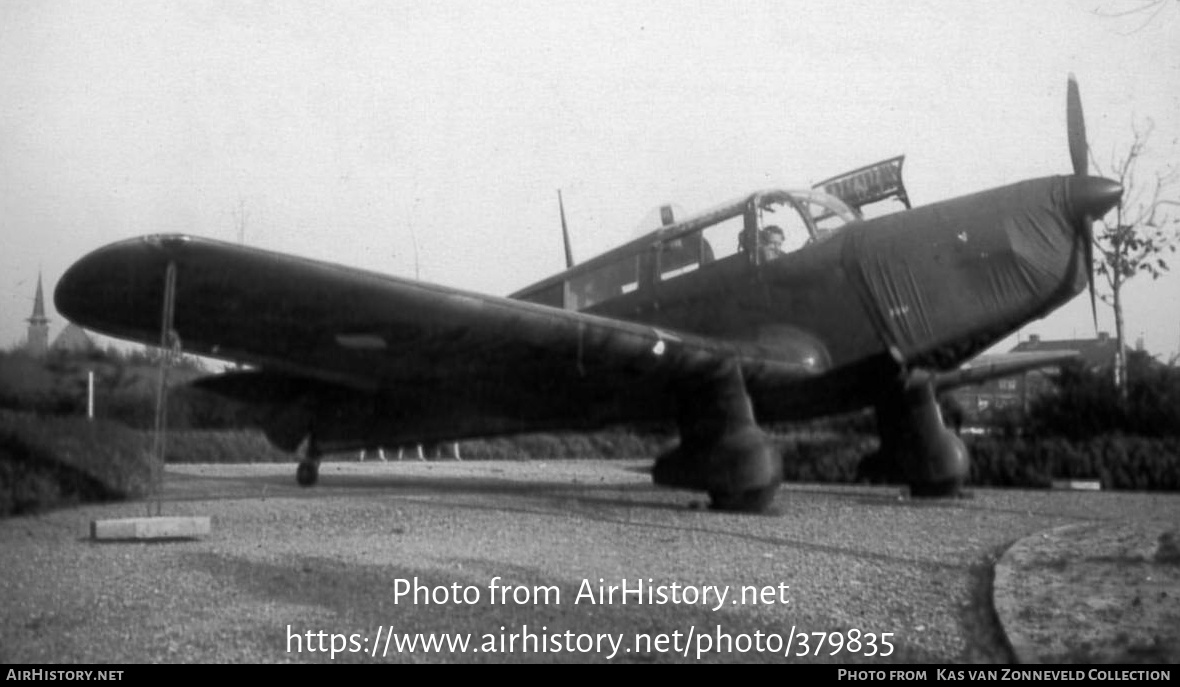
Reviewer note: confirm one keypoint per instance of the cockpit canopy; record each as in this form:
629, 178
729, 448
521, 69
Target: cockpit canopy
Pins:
803, 216
753, 230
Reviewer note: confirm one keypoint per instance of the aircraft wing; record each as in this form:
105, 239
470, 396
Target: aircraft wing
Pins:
985, 368
457, 363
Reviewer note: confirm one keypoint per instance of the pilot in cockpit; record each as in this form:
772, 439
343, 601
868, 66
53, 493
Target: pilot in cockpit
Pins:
770, 243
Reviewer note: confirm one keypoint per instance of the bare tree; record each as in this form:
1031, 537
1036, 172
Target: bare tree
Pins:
1142, 229
1148, 10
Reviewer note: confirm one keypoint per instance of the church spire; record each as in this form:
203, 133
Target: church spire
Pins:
39, 305
38, 324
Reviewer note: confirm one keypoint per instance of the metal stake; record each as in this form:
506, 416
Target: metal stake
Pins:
169, 340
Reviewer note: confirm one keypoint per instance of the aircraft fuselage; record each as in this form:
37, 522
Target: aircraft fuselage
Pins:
929, 287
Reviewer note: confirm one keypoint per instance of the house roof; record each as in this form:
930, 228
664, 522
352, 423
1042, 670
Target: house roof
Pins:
1097, 352
73, 338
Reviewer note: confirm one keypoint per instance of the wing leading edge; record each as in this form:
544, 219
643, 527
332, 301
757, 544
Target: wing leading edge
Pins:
408, 347
986, 368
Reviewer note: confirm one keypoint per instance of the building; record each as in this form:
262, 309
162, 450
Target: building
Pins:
37, 344
72, 339
1096, 353
1012, 394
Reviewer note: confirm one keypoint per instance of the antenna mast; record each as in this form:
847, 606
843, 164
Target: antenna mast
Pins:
565, 233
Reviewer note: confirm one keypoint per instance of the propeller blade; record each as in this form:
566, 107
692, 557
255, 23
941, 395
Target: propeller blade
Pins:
1088, 235
1076, 128
1091, 197
1099, 200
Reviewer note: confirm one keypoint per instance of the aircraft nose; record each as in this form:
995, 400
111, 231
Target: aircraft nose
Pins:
1093, 196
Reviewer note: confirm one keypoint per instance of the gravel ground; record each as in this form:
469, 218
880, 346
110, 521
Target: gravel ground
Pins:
283, 561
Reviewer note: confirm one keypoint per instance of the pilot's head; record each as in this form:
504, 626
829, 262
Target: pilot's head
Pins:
773, 237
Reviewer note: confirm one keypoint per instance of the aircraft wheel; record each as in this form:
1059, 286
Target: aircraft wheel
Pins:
307, 473
749, 501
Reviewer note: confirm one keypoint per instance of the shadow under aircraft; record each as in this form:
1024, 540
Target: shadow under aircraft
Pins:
782, 305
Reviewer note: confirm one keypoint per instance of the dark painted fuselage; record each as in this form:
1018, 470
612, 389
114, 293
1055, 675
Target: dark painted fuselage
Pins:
929, 287
368, 359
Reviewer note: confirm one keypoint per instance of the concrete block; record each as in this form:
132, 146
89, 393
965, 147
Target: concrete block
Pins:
151, 528
1078, 484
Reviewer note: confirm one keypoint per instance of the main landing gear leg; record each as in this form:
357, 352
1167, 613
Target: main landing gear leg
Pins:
308, 471
722, 450
916, 445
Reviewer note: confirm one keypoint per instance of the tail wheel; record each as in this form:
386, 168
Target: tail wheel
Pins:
307, 473
936, 489
748, 501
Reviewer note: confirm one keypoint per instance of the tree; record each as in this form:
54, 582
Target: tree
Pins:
1142, 229
1147, 10
1084, 403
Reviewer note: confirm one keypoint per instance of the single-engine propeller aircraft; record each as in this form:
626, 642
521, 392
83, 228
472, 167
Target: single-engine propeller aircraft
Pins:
710, 322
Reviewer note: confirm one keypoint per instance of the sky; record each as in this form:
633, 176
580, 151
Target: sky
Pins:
430, 139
